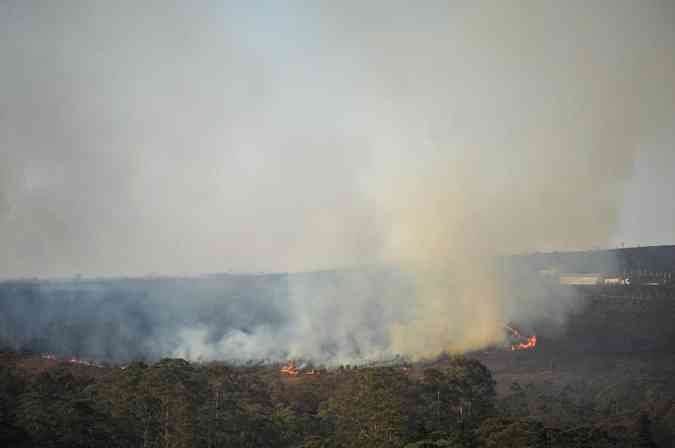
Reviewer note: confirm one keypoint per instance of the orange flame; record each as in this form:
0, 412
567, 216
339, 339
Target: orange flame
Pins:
530, 342
290, 369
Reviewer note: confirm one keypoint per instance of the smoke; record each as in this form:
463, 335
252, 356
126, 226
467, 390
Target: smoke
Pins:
329, 317
526, 123
161, 138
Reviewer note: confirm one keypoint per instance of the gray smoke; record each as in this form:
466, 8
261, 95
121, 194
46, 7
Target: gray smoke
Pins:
329, 317
166, 138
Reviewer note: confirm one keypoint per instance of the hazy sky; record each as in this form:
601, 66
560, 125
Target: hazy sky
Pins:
175, 137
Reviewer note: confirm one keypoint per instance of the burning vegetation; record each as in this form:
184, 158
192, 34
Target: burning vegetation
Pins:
519, 341
71, 360
291, 369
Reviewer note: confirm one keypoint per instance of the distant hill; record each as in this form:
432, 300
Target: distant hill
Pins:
612, 261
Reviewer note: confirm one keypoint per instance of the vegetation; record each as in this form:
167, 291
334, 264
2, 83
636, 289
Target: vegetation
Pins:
173, 403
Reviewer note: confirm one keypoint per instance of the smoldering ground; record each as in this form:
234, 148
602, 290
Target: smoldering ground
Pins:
161, 138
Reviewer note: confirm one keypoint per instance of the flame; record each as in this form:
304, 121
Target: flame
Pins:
290, 369
529, 342
84, 362
70, 360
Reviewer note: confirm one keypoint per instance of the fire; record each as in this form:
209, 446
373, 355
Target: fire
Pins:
531, 343
290, 369
84, 362
528, 342
71, 360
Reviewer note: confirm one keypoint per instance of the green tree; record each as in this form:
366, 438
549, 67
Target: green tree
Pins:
237, 411
173, 385
371, 407
11, 387
644, 432
503, 432
128, 398
56, 410
455, 399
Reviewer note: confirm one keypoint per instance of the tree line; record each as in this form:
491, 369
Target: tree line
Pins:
176, 404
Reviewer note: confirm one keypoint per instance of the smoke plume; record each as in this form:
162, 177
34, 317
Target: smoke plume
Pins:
526, 125
161, 138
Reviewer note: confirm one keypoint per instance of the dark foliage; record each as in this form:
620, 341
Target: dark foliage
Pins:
173, 403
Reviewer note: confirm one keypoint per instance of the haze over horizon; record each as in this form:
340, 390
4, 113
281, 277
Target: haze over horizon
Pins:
160, 138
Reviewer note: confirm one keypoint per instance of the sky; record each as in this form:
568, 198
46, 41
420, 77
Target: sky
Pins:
157, 137
646, 216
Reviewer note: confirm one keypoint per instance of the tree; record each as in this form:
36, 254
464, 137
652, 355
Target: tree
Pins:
237, 412
455, 399
127, 397
371, 407
644, 432
504, 432
56, 410
11, 387
172, 383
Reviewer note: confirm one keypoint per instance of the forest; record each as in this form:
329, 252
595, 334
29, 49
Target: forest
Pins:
451, 402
